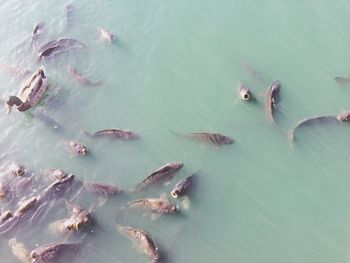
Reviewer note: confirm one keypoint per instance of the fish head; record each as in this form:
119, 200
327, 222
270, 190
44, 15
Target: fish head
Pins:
344, 116
177, 165
227, 140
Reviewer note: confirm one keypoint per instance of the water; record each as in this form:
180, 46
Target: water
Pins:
175, 66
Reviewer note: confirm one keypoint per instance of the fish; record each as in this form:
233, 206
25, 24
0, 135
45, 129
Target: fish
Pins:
20, 251
57, 189
243, 92
106, 35
81, 79
272, 99
55, 253
183, 186
77, 148
38, 29
104, 190
117, 134
216, 139
142, 240
58, 45
26, 206
156, 205
17, 169
342, 80
48, 121
80, 216
163, 174
311, 121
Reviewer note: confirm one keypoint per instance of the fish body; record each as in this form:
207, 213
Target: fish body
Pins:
25, 206
141, 239
216, 139
57, 188
5, 216
117, 134
20, 251
81, 79
272, 99
54, 253
342, 80
183, 186
164, 173
58, 45
156, 205
311, 121
104, 190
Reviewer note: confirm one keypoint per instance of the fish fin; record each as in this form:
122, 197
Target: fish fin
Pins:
186, 203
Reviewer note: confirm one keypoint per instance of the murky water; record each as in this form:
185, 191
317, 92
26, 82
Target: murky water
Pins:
175, 67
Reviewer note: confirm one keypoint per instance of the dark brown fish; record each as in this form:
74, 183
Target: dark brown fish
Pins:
311, 121
17, 169
58, 45
272, 99
104, 190
55, 253
81, 79
183, 186
142, 240
156, 205
163, 174
118, 134
216, 139
79, 216
57, 189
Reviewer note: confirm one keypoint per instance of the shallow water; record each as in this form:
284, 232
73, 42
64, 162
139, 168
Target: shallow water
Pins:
175, 67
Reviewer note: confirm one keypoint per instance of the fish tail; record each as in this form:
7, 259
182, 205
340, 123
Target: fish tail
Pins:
85, 133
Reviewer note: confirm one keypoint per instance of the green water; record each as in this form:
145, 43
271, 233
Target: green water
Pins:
175, 66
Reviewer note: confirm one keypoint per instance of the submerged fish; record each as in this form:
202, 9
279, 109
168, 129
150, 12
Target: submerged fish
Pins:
81, 79
20, 251
58, 45
142, 240
163, 174
342, 80
118, 134
26, 206
156, 205
104, 190
216, 139
345, 116
54, 253
47, 120
272, 99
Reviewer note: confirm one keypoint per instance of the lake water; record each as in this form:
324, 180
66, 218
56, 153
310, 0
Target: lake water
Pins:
175, 66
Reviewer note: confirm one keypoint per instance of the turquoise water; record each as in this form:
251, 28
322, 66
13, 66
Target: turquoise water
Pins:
175, 66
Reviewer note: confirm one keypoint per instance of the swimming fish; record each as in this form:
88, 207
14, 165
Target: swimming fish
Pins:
142, 240
81, 79
216, 139
272, 99
243, 92
118, 134
164, 173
